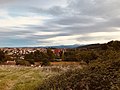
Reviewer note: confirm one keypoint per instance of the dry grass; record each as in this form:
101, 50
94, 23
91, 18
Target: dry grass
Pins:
22, 78
65, 63
28, 78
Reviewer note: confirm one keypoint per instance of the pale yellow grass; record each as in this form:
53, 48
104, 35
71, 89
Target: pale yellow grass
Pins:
65, 63
22, 78
28, 78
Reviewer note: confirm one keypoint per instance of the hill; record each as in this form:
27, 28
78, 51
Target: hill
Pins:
109, 45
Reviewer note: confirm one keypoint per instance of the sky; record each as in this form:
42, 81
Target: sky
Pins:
25, 23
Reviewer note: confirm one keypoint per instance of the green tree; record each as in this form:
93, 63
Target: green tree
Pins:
36, 56
29, 57
51, 55
2, 56
45, 62
87, 56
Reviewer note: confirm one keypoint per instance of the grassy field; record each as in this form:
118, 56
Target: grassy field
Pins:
28, 78
23, 78
65, 63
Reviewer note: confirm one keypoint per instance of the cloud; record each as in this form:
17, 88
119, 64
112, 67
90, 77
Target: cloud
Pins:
99, 37
9, 21
102, 8
6, 1
37, 22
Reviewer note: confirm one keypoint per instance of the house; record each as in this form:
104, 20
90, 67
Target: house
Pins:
58, 51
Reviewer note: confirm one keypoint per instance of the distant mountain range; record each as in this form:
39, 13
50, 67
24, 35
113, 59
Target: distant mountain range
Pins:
64, 46
89, 46
59, 46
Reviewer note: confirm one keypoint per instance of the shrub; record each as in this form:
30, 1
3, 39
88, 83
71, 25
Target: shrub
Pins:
99, 75
2, 56
45, 62
23, 62
31, 61
87, 56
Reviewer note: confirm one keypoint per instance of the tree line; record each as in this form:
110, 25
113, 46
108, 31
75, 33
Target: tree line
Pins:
87, 54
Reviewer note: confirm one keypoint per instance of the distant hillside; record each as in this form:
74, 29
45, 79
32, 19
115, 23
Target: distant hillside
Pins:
110, 45
91, 46
65, 46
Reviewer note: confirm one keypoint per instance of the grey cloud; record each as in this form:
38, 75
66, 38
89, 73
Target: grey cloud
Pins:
102, 8
6, 1
43, 37
78, 17
55, 10
87, 39
74, 20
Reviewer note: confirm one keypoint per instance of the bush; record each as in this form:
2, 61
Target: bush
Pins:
100, 75
87, 56
23, 62
45, 62
2, 56
31, 61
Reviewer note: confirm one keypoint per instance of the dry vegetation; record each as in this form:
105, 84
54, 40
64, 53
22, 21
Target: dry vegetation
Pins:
65, 63
28, 78
101, 71
99, 75
22, 78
